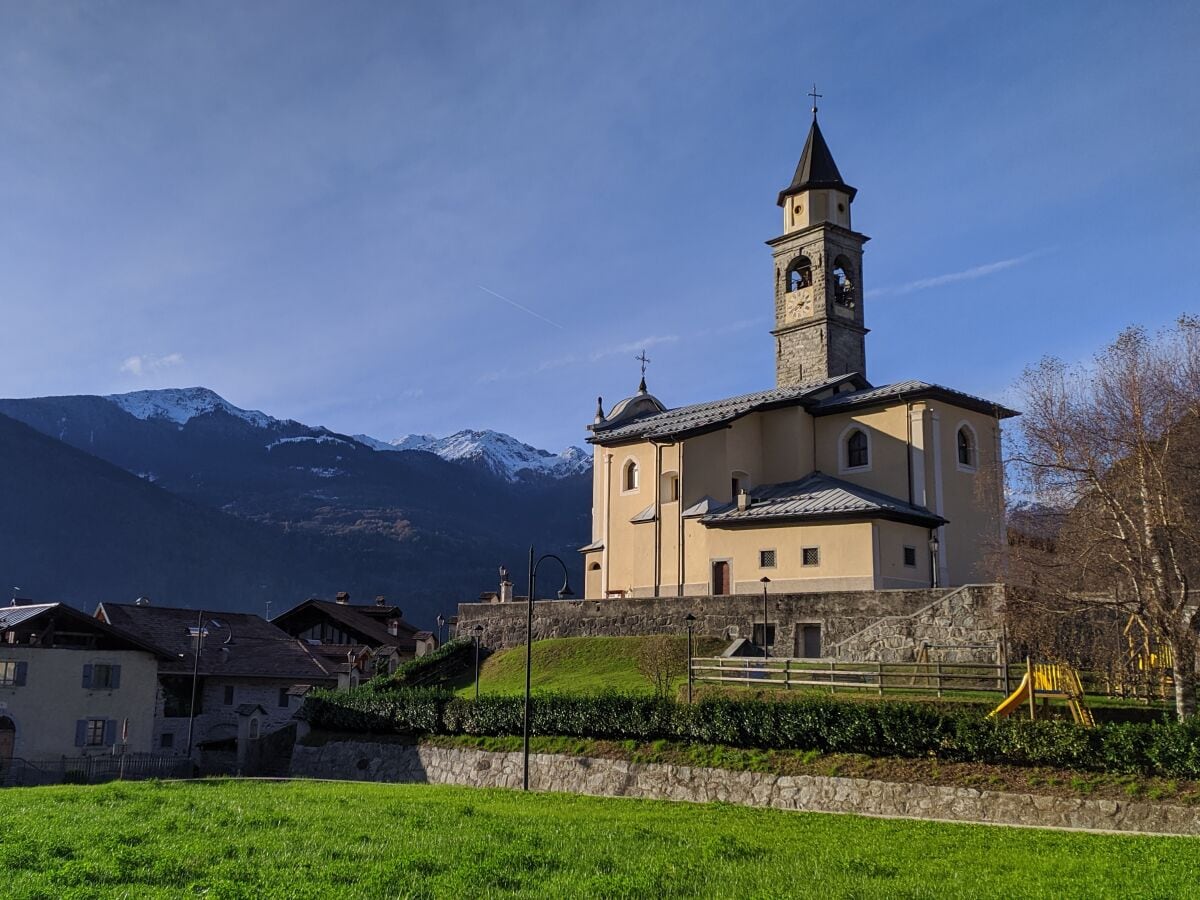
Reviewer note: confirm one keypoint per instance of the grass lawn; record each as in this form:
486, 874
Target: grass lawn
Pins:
225, 839
585, 665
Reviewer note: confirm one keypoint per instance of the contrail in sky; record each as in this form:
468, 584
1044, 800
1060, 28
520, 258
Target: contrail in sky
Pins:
525, 309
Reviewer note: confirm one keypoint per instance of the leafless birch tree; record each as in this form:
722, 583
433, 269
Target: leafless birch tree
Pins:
1111, 449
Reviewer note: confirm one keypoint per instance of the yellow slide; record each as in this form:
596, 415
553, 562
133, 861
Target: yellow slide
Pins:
1013, 700
1050, 680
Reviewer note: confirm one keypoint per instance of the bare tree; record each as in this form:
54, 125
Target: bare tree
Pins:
1110, 452
662, 658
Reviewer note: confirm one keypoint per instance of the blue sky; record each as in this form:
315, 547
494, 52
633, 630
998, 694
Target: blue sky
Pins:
316, 209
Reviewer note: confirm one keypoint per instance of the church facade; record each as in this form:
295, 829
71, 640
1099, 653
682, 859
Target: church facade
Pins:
824, 482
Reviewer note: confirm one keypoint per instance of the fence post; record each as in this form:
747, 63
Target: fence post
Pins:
832, 666
879, 676
939, 678
787, 674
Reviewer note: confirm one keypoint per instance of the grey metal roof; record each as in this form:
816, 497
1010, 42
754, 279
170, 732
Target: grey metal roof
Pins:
819, 496
646, 515
11, 616
910, 390
594, 545
701, 417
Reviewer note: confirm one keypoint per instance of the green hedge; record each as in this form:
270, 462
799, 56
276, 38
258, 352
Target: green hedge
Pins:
829, 725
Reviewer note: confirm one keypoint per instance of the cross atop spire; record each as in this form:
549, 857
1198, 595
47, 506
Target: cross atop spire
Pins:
644, 360
815, 96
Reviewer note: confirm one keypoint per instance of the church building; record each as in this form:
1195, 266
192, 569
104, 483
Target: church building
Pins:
824, 482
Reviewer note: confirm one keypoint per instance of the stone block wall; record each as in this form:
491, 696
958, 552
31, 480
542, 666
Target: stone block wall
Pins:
364, 760
842, 615
964, 626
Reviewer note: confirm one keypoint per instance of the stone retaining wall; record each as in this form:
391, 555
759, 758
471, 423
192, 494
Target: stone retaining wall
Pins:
363, 760
967, 615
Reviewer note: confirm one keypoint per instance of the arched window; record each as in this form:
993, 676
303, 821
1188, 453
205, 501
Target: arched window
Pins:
799, 274
843, 283
630, 478
594, 567
967, 450
669, 488
857, 452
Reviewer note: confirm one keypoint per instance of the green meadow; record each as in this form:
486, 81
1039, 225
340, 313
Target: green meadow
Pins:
246, 839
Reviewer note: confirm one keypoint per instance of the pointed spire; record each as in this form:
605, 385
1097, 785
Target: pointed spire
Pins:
642, 385
599, 409
816, 168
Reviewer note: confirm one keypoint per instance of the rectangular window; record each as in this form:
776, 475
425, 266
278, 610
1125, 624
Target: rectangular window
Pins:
12, 672
229, 695
910, 557
166, 740
283, 698
758, 634
105, 677
94, 734
811, 556
766, 559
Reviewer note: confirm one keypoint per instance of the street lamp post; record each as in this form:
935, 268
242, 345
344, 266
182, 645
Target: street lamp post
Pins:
200, 631
441, 620
691, 621
478, 634
563, 592
766, 644
934, 562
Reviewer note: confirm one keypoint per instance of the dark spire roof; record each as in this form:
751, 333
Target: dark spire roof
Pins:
816, 168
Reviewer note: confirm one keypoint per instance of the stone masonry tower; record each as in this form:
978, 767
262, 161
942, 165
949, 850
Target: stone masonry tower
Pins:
819, 331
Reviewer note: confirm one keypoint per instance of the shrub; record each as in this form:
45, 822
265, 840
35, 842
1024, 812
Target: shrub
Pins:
822, 724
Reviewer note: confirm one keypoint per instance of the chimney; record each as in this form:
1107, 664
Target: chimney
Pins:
393, 627
506, 595
142, 601
381, 600
743, 500
343, 598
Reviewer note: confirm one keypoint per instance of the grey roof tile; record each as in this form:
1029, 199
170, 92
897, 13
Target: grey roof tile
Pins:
700, 417
819, 496
912, 390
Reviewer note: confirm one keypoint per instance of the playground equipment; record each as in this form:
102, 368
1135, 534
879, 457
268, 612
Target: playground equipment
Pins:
1048, 681
1149, 663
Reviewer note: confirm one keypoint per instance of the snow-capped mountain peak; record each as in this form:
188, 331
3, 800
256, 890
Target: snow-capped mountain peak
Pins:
501, 453
180, 405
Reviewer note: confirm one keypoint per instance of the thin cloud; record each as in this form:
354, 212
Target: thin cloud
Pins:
951, 277
148, 365
524, 309
632, 347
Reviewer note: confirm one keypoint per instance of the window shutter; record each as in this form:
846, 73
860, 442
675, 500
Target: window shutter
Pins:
87, 676
22, 673
110, 732
116, 677
80, 732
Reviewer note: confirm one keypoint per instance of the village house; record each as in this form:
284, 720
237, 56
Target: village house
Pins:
355, 641
72, 686
250, 677
824, 482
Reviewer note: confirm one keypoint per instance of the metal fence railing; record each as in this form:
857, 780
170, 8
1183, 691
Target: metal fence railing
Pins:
18, 772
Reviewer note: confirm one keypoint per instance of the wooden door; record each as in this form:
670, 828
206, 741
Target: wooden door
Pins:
720, 577
8, 739
808, 641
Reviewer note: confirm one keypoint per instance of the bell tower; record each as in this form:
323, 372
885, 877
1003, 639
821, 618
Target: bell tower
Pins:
819, 331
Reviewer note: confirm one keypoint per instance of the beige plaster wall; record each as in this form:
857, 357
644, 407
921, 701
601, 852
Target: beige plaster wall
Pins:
46, 708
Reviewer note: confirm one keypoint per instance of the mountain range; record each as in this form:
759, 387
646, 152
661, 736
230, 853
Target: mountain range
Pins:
208, 504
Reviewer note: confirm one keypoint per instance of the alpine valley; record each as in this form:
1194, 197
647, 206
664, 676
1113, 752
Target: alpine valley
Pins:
107, 493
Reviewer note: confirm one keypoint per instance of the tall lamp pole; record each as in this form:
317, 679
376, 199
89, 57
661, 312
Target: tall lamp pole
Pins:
200, 629
766, 644
563, 592
478, 634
